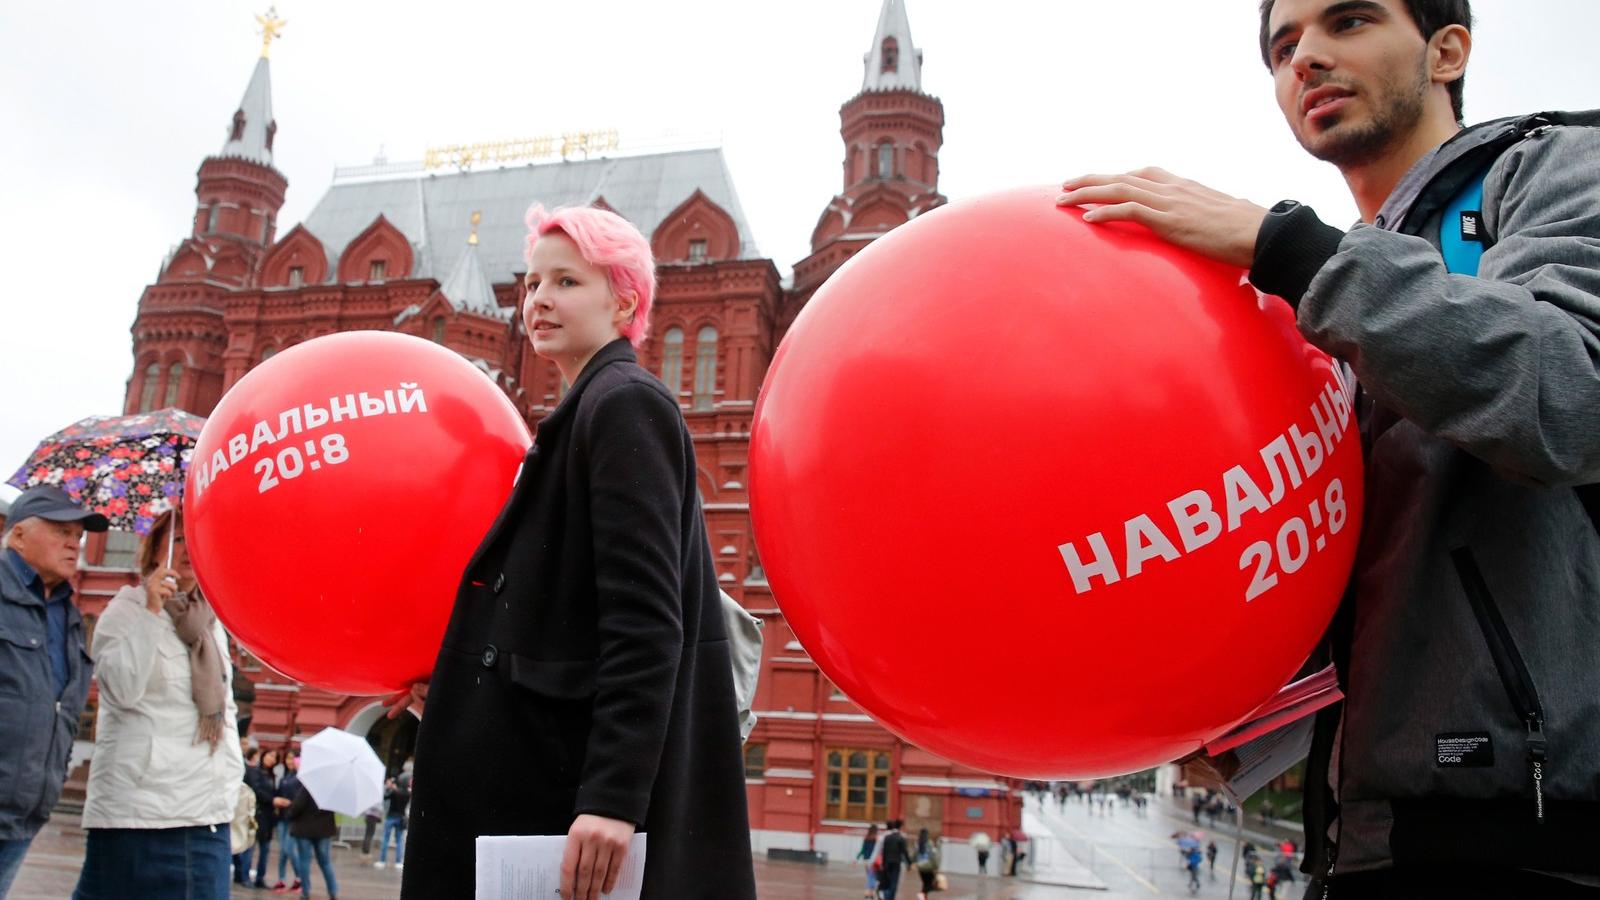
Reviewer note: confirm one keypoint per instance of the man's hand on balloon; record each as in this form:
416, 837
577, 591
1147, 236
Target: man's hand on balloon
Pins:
596, 848
412, 699
1181, 212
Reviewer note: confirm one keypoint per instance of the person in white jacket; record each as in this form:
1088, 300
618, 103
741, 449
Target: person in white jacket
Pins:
165, 774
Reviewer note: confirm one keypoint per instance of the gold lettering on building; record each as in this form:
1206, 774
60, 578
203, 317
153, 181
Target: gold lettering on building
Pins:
465, 156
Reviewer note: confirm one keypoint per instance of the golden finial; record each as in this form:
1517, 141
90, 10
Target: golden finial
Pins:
476, 218
271, 27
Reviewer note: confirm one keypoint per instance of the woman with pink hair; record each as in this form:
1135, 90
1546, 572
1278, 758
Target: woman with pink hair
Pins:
584, 686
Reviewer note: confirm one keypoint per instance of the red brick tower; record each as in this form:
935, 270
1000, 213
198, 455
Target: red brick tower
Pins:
818, 768
892, 133
179, 338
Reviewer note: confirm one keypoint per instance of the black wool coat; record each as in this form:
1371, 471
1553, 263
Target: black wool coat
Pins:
585, 668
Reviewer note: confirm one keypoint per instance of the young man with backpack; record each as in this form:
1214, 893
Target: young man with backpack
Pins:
1465, 759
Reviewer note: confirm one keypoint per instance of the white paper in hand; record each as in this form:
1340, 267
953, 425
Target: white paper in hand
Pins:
529, 868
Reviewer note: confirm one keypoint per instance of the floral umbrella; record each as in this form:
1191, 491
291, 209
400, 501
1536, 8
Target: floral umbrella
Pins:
129, 469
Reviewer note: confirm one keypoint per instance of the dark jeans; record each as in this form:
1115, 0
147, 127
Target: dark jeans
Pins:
263, 847
11, 854
889, 881
1425, 883
155, 864
241, 866
366, 836
983, 861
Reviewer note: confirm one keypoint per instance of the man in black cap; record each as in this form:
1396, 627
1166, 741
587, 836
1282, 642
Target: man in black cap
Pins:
44, 663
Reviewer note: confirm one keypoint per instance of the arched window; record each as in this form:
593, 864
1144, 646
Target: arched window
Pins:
672, 361
174, 378
705, 368
885, 160
147, 394
211, 219
891, 55
438, 329
238, 126
269, 353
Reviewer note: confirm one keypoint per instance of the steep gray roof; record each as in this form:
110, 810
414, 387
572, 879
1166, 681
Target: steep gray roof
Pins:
434, 210
256, 108
892, 22
468, 288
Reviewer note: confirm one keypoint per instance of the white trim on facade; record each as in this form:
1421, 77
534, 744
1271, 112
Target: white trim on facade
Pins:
924, 781
797, 774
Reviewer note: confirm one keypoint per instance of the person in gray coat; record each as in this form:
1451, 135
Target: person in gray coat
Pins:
44, 663
1465, 760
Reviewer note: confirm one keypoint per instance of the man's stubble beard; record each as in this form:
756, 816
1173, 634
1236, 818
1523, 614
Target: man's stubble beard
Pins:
1398, 109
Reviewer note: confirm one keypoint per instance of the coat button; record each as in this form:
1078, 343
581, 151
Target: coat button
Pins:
490, 654
500, 582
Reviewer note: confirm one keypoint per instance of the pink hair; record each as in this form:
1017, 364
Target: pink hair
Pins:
610, 242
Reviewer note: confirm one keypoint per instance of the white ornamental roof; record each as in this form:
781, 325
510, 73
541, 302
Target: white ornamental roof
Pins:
255, 109
905, 72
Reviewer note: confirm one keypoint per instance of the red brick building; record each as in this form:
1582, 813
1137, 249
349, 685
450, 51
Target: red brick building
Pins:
438, 254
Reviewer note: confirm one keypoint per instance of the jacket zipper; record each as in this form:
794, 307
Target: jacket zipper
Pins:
1509, 664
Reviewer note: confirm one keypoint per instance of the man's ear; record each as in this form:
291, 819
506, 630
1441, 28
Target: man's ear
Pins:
1448, 52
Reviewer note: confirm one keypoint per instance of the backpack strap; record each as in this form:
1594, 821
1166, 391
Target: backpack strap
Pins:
1463, 235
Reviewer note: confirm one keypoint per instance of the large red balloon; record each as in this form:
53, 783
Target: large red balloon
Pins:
332, 550
1026, 489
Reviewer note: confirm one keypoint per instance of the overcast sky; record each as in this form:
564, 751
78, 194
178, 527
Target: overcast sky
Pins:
108, 109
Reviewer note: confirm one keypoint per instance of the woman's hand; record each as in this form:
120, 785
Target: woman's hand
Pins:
596, 848
280, 802
413, 699
159, 587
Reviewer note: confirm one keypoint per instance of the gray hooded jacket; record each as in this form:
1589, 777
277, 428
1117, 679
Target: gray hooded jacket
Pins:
1469, 642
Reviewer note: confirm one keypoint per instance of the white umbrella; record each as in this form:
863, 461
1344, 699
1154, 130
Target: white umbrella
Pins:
341, 771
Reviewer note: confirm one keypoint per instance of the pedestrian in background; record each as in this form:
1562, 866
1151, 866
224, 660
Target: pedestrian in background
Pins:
927, 862
263, 779
868, 851
282, 798
980, 845
397, 796
241, 860
893, 856
44, 663
313, 830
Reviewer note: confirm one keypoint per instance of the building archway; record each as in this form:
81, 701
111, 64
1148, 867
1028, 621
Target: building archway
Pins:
394, 740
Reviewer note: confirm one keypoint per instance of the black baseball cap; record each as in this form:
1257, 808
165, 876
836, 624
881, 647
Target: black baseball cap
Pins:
53, 504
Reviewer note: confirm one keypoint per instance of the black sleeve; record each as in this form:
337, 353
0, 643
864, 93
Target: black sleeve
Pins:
1291, 248
300, 805
636, 463
262, 785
